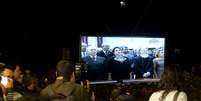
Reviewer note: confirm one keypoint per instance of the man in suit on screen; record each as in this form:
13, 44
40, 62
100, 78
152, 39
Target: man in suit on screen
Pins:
95, 65
143, 65
105, 52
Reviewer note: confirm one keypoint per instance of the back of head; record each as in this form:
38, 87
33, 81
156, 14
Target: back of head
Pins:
125, 97
172, 78
11, 67
65, 68
115, 93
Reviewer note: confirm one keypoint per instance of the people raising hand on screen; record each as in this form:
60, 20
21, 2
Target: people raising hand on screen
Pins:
105, 52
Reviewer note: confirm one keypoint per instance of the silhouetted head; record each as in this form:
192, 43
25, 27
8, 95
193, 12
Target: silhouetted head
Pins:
65, 69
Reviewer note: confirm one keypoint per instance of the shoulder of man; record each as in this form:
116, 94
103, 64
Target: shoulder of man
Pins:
80, 93
45, 90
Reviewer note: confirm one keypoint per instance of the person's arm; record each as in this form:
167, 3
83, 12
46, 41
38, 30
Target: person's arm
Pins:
82, 94
4, 90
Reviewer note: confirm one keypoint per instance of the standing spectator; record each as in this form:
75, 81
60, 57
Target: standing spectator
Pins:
65, 87
7, 81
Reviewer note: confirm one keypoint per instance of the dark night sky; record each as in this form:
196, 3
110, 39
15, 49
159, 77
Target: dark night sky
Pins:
35, 34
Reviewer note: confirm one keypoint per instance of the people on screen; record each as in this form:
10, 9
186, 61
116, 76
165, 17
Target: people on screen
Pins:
105, 52
143, 62
158, 64
128, 53
143, 65
84, 50
95, 65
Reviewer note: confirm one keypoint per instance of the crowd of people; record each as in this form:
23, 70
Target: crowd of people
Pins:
122, 63
20, 84
15, 84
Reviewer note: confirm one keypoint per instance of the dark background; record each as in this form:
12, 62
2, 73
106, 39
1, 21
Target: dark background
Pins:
33, 34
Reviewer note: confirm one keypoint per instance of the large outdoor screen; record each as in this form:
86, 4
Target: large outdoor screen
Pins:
122, 58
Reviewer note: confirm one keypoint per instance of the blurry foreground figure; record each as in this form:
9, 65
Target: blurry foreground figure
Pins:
171, 86
65, 88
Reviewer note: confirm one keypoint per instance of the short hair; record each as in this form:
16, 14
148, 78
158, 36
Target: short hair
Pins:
124, 97
65, 68
105, 45
12, 68
115, 93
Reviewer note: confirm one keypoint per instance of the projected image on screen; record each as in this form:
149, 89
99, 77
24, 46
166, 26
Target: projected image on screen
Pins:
118, 58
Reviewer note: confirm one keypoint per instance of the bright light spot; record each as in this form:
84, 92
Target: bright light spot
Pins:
77, 69
122, 3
